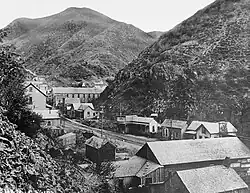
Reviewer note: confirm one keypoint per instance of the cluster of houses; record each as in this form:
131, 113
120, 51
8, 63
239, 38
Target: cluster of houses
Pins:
76, 103
174, 129
187, 166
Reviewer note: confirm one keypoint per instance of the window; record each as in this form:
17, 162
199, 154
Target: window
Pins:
67, 95
88, 113
30, 89
78, 95
73, 96
148, 181
49, 123
30, 100
153, 130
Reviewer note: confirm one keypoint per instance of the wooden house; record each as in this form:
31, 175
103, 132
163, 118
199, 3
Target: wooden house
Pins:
36, 97
202, 129
137, 125
99, 150
84, 94
81, 111
161, 159
208, 179
50, 117
173, 129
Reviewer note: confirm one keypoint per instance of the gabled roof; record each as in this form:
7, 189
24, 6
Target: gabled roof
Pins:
82, 106
135, 166
199, 150
67, 135
97, 142
212, 127
30, 84
76, 90
174, 124
212, 179
72, 100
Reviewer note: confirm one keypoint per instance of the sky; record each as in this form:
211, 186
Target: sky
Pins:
153, 15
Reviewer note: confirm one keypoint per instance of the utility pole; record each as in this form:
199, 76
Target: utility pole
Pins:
102, 112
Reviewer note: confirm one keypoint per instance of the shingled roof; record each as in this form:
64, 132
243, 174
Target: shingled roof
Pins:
211, 180
97, 142
174, 123
189, 151
75, 90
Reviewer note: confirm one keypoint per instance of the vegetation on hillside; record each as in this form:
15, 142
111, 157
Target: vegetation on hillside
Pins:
77, 38
198, 70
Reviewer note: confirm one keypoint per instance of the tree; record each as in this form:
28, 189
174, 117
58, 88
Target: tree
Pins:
12, 91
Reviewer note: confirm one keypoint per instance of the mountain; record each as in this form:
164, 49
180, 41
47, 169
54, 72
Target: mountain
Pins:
78, 43
197, 70
155, 34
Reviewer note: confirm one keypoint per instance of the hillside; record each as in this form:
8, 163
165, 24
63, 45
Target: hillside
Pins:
199, 69
78, 43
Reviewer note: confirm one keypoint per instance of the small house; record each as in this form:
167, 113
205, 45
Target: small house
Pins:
98, 150
137, 125
68, 139
207, 180
81, 111
50, 117
36, 97
173, 129
202, 129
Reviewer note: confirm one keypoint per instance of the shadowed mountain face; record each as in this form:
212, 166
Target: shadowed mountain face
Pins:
198, 69
78, 43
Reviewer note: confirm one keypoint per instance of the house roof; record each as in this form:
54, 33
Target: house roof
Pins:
72, 100
67, 135
82, 106
212, 127
48, 114
211, 180
135, 166
189, 151
75, 90
174, 123
135, 118
30, 84
97, 142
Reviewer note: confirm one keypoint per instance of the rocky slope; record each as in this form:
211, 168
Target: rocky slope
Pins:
25, 166
78, 38
198, 69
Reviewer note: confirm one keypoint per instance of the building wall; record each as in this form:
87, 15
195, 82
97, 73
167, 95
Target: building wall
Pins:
92, 154
153, 127
107, 152
67, 141
202, 133
38, 99
52, 122
89, 113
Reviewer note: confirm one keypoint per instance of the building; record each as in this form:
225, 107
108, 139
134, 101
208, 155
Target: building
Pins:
81, 111
84, 94
208, 179
164, 158
36, 98
173, 129
50, 117
137, 125
68, 139
98, 150
202, 129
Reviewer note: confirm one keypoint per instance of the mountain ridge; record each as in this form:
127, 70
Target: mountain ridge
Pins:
77, 37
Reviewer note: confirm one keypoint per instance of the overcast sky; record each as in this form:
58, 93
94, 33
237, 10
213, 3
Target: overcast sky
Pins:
153, 15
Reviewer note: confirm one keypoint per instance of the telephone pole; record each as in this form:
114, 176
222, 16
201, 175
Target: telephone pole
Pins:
102, 112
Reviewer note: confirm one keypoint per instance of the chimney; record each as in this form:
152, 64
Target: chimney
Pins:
222, 127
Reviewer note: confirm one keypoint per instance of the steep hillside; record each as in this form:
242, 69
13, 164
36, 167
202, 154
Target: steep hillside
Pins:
80, 38
198, 69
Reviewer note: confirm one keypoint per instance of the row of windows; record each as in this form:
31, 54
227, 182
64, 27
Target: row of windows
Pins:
82, 95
